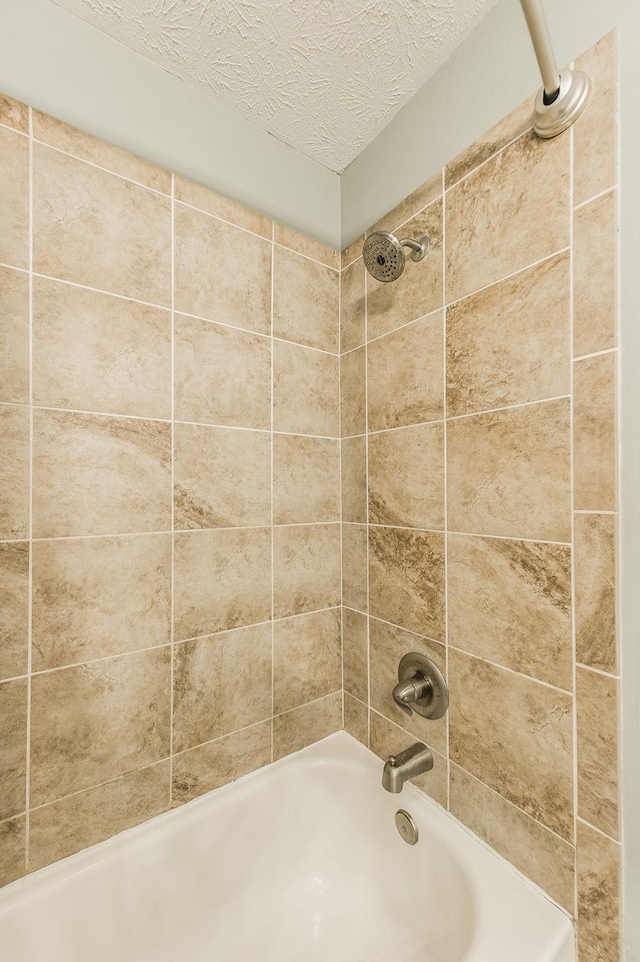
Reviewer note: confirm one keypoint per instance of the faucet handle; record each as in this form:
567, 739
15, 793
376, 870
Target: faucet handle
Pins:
421, 687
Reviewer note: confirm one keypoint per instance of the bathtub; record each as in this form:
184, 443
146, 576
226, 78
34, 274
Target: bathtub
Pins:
298, 862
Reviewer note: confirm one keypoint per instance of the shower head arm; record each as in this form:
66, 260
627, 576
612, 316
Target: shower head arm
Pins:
419, 248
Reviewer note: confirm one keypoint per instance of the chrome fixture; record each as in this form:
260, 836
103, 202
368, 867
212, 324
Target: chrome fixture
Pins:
384, 257
398, 769
421, 687
407, 827
564, 93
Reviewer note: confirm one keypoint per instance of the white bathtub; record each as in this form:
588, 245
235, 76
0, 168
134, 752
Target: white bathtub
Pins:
299, 862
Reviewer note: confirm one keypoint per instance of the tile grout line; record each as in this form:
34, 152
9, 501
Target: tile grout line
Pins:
366, 489
590, 200
573, 560
173, 497
271, 407
27, 854
341, 495
446, 483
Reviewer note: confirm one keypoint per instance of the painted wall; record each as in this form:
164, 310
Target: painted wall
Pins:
58, 63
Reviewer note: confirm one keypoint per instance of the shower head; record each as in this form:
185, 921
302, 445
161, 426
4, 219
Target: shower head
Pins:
384, 257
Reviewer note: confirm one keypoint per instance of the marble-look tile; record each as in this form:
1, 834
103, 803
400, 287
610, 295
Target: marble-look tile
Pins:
85, 146
352, 303
510, 343
354, 566
305, 391
411, 205
406, 375
305, 301
518, 739
221, 477
14, 608
306, 479
99, 475
71, 824
202, 769
13, 757
598, 751
14, 114
495, 139
221, 683
387, 645
222, 580
599, 896
595, 281
595, 578
507, 214
14, 210
14, 471
406, 477
419, 291
303, 726
353, 250
222, 375
94, 228
596, 132
206, 200
510, 602
353, 392
95, 352
594, 440
354, 480
355, 656
307, 659
96, 597
406, 579
13, 844
302, 244
306, 568
509, 472
221, 272
14, 336
387, 739
356, 719
538, 853
97, 721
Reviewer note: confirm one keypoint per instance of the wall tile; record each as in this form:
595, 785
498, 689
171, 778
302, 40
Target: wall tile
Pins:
406, 477
202, 769
14, 336
14, 608
354, 566
354, 480
595, 578
595, 276
306, 479
222, 375
97, 721
305, 301
305, 391
415, 202
539, 854
595, 477
518, 740
14, 212
598, 750
353, 392
510, 603
222, 477
13, 758
13, 837
96, 597
94, 228
14, 114
14, 472
221, 272
510, 343
595, 132
356, 719
509, 472
302, 244
221, 683
387, 645
222, 580
405, 375
307, 656
303, 726
509, 213
71, 824
387, 739
99, 475
406, 579
306, 568
488, 144
352, 301
599, 906
355, 646
223, 207
352, 251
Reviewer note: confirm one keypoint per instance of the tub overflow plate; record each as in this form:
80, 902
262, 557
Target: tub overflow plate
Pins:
407, 827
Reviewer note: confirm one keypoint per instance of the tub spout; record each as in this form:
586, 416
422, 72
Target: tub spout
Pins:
398, 769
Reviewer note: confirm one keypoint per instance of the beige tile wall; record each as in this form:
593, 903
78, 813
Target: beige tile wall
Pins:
169, 485
479, 497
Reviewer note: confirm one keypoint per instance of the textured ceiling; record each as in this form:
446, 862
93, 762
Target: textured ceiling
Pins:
322, 75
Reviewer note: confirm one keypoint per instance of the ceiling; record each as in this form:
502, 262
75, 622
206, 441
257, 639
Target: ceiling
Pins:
324, 76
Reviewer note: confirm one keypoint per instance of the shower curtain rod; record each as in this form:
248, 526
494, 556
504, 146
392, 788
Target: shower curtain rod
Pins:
564, 93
